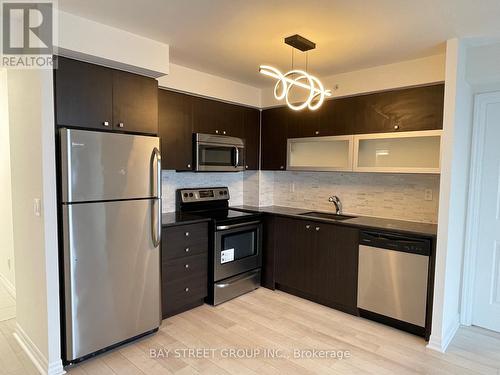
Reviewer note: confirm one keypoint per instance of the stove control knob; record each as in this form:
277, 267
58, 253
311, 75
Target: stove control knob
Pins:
185, 195
225, 192
221, 192
191, 195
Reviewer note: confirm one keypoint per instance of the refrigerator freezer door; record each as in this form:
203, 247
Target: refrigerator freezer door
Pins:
100, 166
112, 274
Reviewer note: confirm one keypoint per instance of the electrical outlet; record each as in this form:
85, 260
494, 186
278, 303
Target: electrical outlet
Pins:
37, 209
292, 187
428, 194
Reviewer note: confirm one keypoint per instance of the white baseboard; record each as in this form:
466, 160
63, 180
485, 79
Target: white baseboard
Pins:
440, 344
56, 368
8, 285
38, 359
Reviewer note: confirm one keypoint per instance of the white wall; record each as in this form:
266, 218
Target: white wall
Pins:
483, 63
403, 74
455, 156
95, 42
7, 274
192, 81
31, 121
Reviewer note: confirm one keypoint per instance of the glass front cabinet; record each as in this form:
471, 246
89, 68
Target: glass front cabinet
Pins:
405, 152
320, 153
408, 152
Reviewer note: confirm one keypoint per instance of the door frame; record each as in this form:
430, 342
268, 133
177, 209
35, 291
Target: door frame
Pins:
481, 102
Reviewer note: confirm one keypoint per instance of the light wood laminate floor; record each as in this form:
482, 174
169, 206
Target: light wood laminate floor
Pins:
277, 321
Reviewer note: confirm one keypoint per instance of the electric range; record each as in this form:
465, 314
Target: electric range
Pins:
235, 256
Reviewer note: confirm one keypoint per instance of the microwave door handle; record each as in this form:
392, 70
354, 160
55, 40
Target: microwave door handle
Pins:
237, 156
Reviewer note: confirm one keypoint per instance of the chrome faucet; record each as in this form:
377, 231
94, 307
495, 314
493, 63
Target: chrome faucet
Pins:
338, 204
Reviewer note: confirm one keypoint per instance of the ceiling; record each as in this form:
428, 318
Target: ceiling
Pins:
231, 38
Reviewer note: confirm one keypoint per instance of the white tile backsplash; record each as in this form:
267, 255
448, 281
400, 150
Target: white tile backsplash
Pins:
395, 196
171, 181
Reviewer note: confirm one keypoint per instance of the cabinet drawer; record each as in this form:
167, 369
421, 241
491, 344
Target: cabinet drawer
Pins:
182, 292
185, 267
184, 235
174, 251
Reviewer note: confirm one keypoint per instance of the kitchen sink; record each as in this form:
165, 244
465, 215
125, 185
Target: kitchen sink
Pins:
326, 215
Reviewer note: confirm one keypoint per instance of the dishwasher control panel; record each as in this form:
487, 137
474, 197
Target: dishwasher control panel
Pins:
421, 246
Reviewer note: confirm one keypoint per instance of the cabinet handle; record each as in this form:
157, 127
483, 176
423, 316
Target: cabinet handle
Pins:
308, 226
216, 132
282, 167
316, 132
186, 266
246, 166
224, 132
186, 234
106, 123
186, 249
317, 229
120, 124
186, 290
396, 127
189, 165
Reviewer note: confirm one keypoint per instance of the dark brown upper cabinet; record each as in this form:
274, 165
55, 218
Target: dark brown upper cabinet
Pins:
274, 137
135, 103
182, 115
413, 109
94, 97
419, 108
215, 117
336, 116
83, 94
252, 137
176, 130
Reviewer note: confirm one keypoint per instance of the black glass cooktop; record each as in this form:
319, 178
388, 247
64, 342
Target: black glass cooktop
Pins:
224, 214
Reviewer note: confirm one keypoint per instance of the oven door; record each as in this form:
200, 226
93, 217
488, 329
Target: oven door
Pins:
238, 248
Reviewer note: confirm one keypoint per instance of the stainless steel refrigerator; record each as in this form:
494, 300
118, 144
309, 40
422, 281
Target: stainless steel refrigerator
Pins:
111, 215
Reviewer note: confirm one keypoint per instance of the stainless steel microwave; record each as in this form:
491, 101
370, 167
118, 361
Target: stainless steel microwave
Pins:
219, 153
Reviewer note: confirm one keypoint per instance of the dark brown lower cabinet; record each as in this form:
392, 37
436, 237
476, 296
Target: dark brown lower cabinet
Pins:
317, 261
184, 266
337, 263
268, 253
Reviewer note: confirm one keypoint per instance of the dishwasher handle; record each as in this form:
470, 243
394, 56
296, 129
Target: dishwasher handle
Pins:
396, 242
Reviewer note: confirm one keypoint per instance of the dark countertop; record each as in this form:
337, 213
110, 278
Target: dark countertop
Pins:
169, 219
366, 222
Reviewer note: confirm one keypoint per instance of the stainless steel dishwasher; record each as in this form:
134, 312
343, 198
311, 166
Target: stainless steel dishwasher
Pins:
393, 278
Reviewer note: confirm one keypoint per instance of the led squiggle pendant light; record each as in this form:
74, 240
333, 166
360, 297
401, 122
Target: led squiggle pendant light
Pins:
298, 78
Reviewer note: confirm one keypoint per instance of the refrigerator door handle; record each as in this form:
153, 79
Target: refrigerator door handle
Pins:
156, 219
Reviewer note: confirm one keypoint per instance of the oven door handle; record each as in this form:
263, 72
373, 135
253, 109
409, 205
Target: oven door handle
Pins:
239, 225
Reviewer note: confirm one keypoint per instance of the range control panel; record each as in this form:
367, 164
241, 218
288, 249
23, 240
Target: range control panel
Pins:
204, 195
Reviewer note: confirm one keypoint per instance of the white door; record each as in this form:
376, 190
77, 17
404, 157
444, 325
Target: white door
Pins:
486, 306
